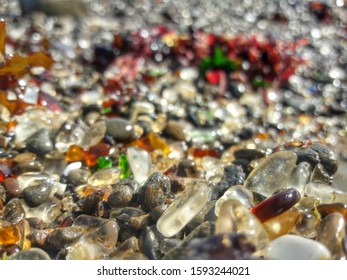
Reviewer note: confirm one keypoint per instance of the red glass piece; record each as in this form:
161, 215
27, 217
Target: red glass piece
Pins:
49, 102
276, 204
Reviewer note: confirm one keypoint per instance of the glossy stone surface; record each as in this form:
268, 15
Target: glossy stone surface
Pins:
40, 143
36, 193
96, 243
140, 163
107, 176
120, 129
325, 193
307, 226
154, 191
282, 224
300, 176
276, 204
291, 247
331, 232
272, 174
183, 209
237, 192
326, 209
234, 217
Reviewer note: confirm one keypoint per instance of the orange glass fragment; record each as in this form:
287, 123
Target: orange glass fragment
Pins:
9, 235
75, 153
2, 37
18, 65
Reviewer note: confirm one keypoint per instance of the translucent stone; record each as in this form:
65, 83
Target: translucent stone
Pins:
140, 163
70, 134
326, 209
307, 225
276, 204
47, 212
32, 121
325, 193
26, 179
238, 193
300, 176
72, 166
94, 135
293, 247
282, 224
123, 165
331, 233
96, 244
183, 209
272, 174
235, 217
107, 176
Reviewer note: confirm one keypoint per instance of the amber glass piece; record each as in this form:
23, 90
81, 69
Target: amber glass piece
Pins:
75, 153
282, 224
200, 152
276, 204
2, 37
326, 209
11, 105
18, 65
157, 142
9, 234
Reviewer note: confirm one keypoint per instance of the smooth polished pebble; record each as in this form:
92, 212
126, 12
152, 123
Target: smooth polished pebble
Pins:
183, 209
293, 247
272, 174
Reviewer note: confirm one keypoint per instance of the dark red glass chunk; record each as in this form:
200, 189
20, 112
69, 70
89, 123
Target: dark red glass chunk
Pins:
276, 204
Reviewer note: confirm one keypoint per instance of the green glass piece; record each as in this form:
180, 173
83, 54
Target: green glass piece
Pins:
217, 61
259, 83
104, 162
106, 110
123, 165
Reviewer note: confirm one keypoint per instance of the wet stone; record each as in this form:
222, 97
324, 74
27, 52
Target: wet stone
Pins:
331, 233
327, 157
291, 247
149, 243
185, 207
156, 212
40, 143
139, 222
61, 238
276, 204
12, 187
91, 202
13, 212
36, 193
27, 166
187, 168
31, 254
319, 175
78, 177
120, 196
272, 174
154, 191
306, 155
167, 244
120, 129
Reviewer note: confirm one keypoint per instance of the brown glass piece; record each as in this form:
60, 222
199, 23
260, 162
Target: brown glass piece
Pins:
326, 209
276, 204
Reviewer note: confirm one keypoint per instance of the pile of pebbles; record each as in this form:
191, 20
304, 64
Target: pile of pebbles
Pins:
142, 131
